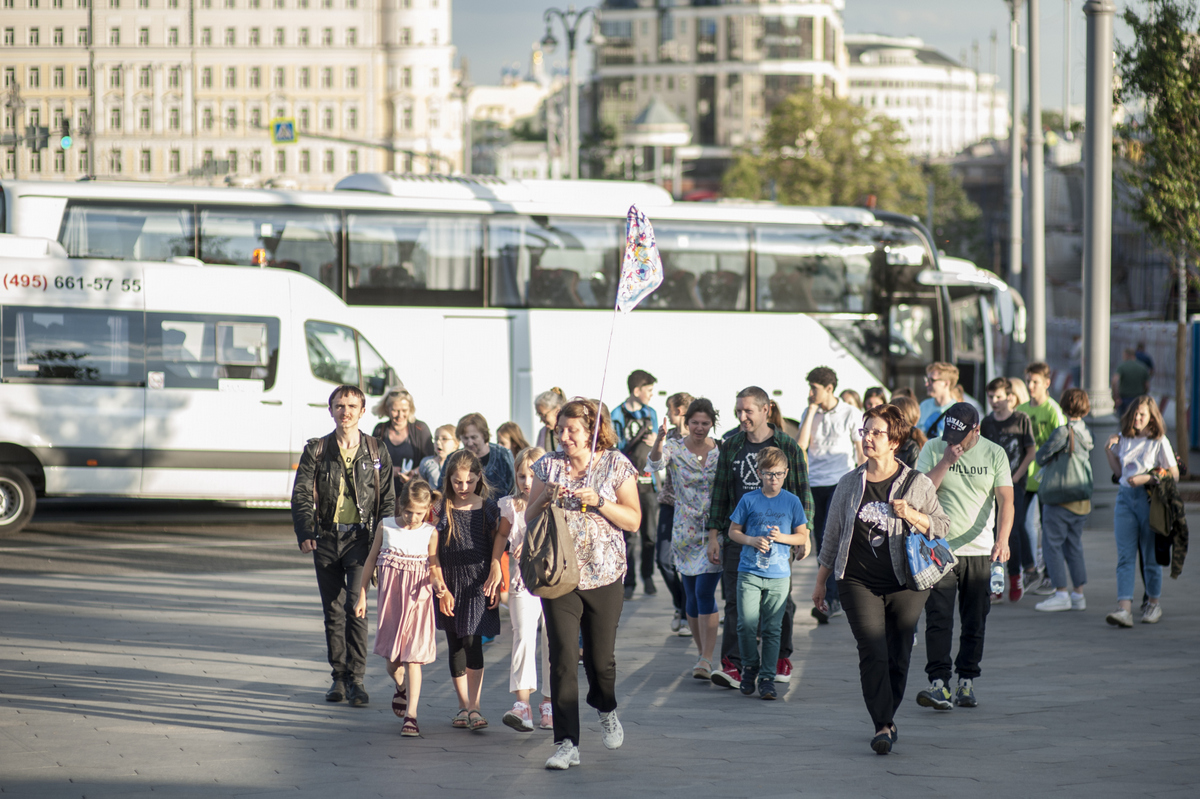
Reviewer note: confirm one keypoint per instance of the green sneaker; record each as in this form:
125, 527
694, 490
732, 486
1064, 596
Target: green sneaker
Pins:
964, 695
936, 696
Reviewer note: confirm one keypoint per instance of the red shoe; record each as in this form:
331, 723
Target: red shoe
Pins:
783, 670
728, 676
1015, 588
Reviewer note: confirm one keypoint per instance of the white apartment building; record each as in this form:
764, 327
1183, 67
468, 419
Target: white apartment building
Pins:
943, 105
155, 89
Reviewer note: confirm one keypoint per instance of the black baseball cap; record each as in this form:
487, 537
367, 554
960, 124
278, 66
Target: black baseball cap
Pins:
960, 420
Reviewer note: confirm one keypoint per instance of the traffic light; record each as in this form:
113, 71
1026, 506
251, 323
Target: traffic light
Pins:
65, 141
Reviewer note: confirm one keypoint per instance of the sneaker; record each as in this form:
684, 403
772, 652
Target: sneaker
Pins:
1055, 603
546, 711
1152, 613
936, 696
766, 690
1016, 589
519, 718
964, 694
677, 622
1044, 588
1120, 618
685, 631
628, 592
612, 734
746, 686
821, 617
566, 756
783, 670
835, 609
728, 676
1078, 601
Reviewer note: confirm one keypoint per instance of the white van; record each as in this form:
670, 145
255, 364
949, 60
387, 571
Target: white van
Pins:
171, 380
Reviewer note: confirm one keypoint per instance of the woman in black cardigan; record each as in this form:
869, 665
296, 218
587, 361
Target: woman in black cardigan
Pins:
407, 438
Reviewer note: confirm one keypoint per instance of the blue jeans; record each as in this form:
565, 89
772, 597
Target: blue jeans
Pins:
1131, 523
760, 607
1062, 538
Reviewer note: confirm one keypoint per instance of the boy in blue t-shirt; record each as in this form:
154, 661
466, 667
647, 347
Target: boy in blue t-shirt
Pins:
765, 568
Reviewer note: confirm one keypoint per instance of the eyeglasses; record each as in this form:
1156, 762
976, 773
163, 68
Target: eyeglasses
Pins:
865, 433
772, 475
929, 381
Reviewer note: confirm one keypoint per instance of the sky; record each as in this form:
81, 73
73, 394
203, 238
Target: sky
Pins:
497, 33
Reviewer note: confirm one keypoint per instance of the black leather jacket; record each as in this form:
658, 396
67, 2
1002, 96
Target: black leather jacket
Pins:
326, 477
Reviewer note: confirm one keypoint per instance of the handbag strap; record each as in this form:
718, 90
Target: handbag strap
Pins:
1071, 436
909, 478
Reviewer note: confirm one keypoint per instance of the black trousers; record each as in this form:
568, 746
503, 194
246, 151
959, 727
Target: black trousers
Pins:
464, 653
595, 613
646, 534
969, 580
730, 555
1020, 554
883, 625
822, 496
666, 561
339, 559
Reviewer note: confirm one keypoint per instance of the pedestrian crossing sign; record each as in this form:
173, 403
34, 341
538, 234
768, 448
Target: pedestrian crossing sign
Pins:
283, 131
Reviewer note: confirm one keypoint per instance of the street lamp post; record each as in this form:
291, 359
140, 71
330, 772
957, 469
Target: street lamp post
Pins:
571, 20
1015, 205
1036, 283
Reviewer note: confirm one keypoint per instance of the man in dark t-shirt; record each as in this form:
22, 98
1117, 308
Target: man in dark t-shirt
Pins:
1013, 432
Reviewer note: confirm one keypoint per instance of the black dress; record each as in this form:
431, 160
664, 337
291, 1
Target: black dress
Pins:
465, 559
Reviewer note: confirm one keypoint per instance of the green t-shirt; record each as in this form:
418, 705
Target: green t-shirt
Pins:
1046, 418
346, 511
968, 493
1132, 377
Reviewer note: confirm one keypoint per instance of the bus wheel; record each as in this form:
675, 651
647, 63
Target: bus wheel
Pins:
17, 500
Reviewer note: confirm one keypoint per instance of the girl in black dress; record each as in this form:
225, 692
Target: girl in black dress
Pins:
466, 530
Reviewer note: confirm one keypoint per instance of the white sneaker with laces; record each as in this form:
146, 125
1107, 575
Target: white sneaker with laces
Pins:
612, 734
1043, 588
676, 622
1055, 603
566, 756
1152, 613
1120, 618
1078, 601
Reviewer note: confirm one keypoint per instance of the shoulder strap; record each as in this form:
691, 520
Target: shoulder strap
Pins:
929, 430
373, 451
909, 478
1071, 435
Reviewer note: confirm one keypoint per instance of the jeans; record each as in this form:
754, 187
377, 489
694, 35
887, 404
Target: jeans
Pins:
339, 559
822, 496
883, 626
594, 613
1022, 552
969, 580
761, 602
646, 533
1062, 537
665, 558
700, 593
1131, 522
730, 555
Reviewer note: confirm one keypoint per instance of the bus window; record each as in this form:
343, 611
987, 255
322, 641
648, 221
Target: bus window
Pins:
125, 233
73, 345
200, 350
303, 241
412, 259
332, 354
554, 262
374, 369
704, 266
813, 269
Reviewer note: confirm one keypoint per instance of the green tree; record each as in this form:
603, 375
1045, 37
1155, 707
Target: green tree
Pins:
1161, 68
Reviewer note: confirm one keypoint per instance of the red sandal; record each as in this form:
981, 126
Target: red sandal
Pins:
410, 728
400, 701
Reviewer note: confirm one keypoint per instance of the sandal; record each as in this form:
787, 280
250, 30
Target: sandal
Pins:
410, 728
462, 719
477, 721
400, 701
699, 672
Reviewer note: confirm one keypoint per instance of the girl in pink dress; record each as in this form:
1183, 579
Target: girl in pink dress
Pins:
405, 553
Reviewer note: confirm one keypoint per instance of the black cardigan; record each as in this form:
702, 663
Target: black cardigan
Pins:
418, 432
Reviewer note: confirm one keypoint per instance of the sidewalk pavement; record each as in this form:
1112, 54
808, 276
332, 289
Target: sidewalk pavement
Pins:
212, 686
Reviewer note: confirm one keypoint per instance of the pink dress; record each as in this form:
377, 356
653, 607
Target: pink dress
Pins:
406, 603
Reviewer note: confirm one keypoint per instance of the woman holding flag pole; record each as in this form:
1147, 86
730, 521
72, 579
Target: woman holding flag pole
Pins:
596, 487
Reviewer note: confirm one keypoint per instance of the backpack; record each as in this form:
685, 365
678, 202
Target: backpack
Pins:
549, 566
319, 452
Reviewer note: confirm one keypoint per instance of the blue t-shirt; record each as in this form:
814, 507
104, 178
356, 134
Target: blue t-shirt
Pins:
755, 513
930, 411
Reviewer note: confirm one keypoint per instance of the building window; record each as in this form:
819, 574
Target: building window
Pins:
60, 161
352, 161
81, 78
281, 160
277, 82
206, 37
352, 77
327, 37
278, 37
305, 161
433, 37
144, 162
303, 119
256, 117
207, 119
230, 37
233, 156
255, 35
256, 161
173, 37
172, 3
173, 118
10, 37
327, 78
174, 75
60, 78
144, 119
326, 3
58, 37
114, 37
144, 78
81, 37
143, 37
303, 77
230, 4
327, 119
327, 161
114, 78
302, 39
352, 119
35, 36
173, 160
407, 119
35, 161
406, 36
433, 119
114, 162
114, 119
351, 37
143, 3
301, 3
10, 78
35, 77
206, 78
231, 118
434, 78
278, 3
406, 77
231, 77
255, 78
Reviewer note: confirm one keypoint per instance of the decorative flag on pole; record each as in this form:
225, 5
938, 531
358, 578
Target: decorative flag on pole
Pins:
641, 271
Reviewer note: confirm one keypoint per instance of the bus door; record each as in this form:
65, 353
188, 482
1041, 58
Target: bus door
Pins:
337, 355
217, 414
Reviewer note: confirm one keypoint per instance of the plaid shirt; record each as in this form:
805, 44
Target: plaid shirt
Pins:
796, 481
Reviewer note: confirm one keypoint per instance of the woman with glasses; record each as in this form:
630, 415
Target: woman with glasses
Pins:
873, 508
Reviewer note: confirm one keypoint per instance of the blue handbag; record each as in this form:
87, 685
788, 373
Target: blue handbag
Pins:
929, 559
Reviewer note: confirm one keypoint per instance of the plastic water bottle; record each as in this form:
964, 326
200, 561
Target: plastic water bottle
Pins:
763, 559
997, 583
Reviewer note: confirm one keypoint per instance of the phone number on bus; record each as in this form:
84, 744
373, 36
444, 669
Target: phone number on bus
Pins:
71, 283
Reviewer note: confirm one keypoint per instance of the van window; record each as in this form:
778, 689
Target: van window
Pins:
414, 259
72, 345
201, 350
554, 262
303, 241
374, 369
332, 354
127, 233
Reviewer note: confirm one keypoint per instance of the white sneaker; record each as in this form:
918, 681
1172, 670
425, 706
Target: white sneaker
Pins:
1078, 601
1120, 618
1152, 613
1055, 603
612, 734
566, 756
519, 718
677, 621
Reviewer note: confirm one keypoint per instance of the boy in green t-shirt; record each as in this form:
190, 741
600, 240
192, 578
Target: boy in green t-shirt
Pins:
1047, 416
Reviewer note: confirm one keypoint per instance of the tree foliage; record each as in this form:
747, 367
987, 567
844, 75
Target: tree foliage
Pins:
1162, 69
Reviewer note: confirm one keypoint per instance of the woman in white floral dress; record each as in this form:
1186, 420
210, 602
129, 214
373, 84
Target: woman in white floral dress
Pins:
691, 462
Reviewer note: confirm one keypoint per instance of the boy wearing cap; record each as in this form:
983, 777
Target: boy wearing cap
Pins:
972, 478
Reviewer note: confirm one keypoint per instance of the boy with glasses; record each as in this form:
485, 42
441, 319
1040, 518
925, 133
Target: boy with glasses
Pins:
940, 380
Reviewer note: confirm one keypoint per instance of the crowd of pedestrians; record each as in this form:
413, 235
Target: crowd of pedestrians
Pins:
438, 520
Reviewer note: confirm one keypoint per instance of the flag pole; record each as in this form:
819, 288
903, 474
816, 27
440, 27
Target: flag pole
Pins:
600, 399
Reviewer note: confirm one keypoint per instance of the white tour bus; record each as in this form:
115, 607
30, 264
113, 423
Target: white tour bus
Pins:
483, 292
176, 380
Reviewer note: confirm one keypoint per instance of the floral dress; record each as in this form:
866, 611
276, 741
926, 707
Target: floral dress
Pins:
692, 476
599, 545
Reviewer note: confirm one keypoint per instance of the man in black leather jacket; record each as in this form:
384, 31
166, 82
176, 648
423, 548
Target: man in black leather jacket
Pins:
335, 519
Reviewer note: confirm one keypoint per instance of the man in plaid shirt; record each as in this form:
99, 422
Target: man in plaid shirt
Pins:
737, 475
